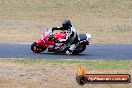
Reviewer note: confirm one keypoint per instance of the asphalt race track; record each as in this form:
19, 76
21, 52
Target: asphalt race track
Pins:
111, 51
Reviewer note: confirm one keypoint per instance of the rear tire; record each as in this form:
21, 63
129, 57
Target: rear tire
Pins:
79, 49
37, 48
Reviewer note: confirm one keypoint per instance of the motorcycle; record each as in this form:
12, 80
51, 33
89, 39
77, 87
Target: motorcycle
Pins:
51, 42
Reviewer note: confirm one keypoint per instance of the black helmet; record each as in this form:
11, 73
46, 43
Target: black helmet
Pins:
66, 24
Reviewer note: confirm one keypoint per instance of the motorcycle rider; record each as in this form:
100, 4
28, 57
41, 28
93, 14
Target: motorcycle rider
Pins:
71, 35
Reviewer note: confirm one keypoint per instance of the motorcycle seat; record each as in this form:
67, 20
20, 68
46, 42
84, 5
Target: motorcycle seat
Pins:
82, 37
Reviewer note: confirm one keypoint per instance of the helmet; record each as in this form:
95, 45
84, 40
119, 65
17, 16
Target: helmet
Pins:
66, 24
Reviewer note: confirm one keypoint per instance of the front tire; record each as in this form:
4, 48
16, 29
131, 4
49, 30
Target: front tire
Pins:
37, 48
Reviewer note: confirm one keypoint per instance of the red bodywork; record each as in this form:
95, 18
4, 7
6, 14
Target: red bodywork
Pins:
61, 35
51, 41
44, 41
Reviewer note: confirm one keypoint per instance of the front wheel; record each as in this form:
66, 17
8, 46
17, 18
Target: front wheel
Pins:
79, 49
37, 48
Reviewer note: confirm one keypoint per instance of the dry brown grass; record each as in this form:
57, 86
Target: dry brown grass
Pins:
48, 75
109, 21
104, 31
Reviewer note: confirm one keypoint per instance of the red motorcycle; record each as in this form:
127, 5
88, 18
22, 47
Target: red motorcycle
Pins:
51, 41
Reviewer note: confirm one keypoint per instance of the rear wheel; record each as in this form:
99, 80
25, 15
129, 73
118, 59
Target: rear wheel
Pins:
79, 49
37, 48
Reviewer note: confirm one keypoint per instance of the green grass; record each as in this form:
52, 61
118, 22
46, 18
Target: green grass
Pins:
93, 64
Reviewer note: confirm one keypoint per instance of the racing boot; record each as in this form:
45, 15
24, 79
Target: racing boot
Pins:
68, 52
72, 47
